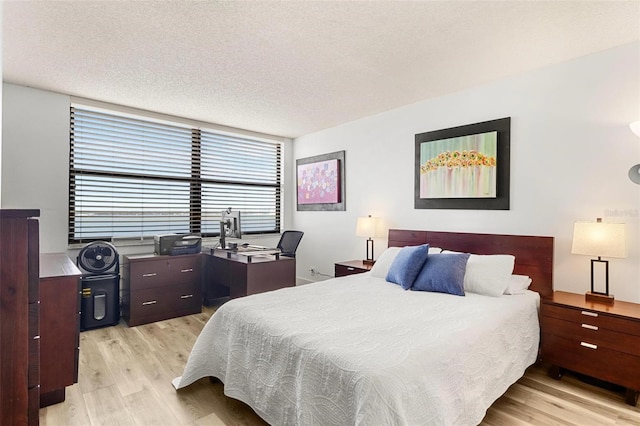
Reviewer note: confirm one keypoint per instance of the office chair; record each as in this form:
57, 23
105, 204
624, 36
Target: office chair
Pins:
288, 243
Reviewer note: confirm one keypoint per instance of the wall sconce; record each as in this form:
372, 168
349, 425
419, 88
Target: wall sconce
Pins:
367, 227
602, 240
634, 171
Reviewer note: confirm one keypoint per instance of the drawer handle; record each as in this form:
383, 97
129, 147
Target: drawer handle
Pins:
590, 314
153, 274
36, 337
588, 345
349, 268
187, 270
590, 327
151, 302
186, 296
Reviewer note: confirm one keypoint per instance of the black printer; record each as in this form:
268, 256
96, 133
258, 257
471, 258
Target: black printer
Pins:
176, 244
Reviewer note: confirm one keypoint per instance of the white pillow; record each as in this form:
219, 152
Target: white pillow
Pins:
382, 265
488, 274
518, 284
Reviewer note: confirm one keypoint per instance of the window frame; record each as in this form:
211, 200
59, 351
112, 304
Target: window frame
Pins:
198, 220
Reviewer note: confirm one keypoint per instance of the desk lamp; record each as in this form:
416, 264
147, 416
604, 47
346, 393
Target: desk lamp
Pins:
366, 227
603, 240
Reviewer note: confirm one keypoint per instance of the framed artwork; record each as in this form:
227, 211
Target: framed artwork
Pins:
464, 167
320, 182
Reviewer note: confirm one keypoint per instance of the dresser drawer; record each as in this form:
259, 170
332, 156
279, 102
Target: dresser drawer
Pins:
596, 319
162, 303
33, 378
591, 334
164, 271
34, 405
597, 361
144, 275
184, 269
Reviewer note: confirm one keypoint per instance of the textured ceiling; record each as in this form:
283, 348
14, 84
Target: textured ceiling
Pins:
292, 68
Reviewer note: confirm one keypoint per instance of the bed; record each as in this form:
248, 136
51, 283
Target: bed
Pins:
360, 350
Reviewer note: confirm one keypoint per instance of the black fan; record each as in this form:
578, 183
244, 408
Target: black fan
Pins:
97, 257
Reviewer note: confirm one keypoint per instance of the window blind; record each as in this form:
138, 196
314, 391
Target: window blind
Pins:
136, 178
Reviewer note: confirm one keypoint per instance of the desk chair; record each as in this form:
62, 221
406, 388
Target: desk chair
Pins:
288, 243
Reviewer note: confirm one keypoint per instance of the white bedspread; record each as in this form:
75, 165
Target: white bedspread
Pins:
357, 350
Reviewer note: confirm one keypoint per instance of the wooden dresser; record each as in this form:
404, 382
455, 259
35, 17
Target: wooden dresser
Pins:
156, 288
59, 326
19, 317
601, 341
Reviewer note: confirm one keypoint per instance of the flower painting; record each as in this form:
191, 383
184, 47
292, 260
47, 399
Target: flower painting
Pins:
460, 167
464, 167
320, 182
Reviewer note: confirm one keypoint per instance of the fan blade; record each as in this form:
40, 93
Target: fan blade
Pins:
105, 251
90, 253
97, 263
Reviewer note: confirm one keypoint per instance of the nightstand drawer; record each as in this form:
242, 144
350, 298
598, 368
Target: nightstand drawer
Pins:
351, 267
593, 360
596, 319
589, 333
342, 270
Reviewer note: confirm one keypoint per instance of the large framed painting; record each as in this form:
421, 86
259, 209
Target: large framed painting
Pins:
464, 167
320, 182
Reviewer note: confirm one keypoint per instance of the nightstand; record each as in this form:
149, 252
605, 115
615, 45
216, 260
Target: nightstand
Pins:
597, 340
351, 267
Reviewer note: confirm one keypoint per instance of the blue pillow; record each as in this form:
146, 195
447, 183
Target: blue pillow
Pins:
407, 264
443, 273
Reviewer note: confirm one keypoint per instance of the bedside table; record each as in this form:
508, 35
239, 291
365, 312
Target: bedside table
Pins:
351, 267
601, 341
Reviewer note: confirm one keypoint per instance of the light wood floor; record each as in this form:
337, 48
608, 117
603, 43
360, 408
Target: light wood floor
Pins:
125, 379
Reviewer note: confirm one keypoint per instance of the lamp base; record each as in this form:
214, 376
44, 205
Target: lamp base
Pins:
368, 261
599, 298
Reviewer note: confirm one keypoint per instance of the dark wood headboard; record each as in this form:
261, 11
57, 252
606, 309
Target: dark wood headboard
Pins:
534, 255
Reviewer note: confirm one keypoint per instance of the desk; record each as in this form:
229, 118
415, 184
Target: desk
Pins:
235, 275
59, 326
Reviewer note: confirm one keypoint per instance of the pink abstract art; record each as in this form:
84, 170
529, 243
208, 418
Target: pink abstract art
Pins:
319, 182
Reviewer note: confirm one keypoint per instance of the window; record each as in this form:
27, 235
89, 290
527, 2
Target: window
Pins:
136, 178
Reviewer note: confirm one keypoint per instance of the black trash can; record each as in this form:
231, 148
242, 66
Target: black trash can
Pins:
100, 304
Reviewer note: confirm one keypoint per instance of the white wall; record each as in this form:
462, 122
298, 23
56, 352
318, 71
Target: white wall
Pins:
35, 165
571, 148
35, 159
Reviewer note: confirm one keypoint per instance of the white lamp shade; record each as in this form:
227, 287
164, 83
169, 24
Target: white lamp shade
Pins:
599, 239
635, 127
366, 226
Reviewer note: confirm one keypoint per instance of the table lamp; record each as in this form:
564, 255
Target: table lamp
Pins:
602, 240
367, 227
